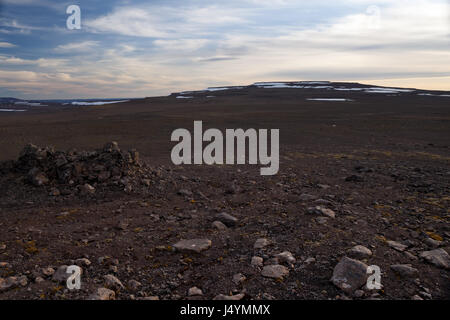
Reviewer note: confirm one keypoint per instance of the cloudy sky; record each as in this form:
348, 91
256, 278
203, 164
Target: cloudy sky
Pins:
129, 48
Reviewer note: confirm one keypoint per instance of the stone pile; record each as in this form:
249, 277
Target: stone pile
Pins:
85, 170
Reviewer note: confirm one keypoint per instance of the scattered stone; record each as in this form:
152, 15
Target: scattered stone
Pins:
184, 192
349, 274
39, 280
230, 298
410, 255
193, 245
219, 226
307, 197
12, 282
37, 177
358, 294
87, 189
360, 252
416, 297
437, 257
227, 219
405, 270
8, 283
61, 274
286, 257
48, 271
111, 282
134, 285
276, 271
310, 260
257, 261
323, 211
103, 294
261, 243
194, 291
397, 245
151, 298
239, 278
83, 262
432, 243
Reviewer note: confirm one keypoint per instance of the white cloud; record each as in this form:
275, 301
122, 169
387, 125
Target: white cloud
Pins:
6, 45
77, 46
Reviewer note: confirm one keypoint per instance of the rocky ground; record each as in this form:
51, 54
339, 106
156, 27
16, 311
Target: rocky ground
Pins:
362, 182
166, 232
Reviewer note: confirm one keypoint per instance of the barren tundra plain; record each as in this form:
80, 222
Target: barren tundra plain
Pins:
364, 179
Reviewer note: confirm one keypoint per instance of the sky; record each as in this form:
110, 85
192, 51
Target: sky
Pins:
129, 48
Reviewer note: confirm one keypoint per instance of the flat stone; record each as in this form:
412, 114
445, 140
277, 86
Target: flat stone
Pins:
306, 197
257, 261
111, 282
286, 257
134, 285
193, 245
219, 225
360, 252
405, 270
437, 257
236, 297
103, 294
275, 271
83, 262
194, 291
227, 219
397, 245
322, 211
349, 274
261, 243
432, 243
61, 275
239, 278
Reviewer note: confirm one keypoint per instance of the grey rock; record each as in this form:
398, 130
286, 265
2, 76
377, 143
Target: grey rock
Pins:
257, 261
276, 271
261, 243
360, 252
103, 294
83, 262
193, 245
194, 291
239, 278
432, 243
437, 257
349, 275
61, 274
405, 270
111, 282
134, 285
322, 211
230, 298
286, 257
219, 226
227, 219
307, 197
397, 245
